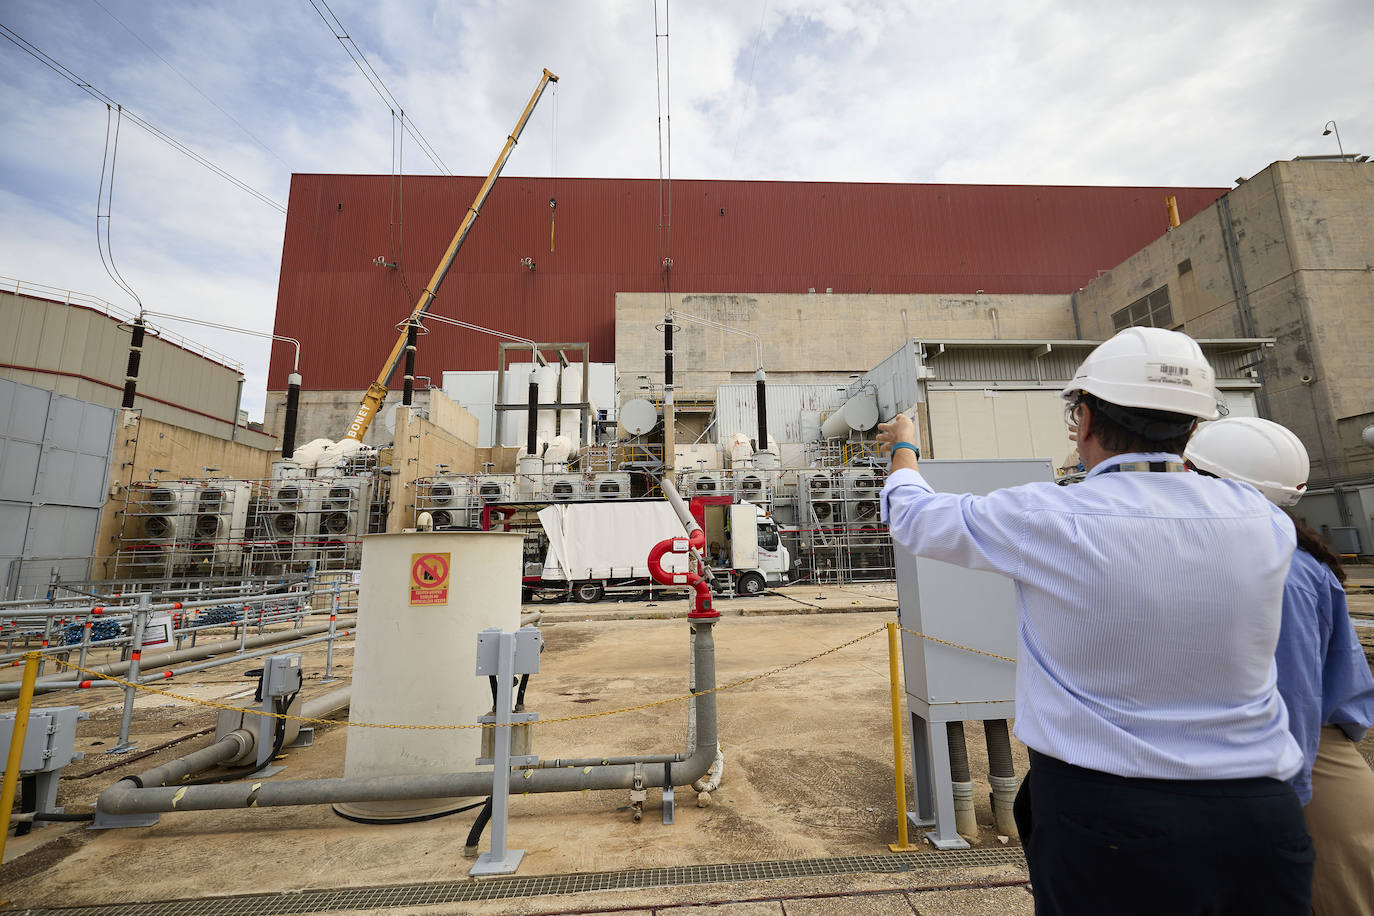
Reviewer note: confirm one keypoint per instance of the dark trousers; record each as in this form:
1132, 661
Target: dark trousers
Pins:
1099, 844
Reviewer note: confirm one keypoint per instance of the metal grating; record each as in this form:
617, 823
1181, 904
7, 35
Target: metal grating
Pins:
361, 898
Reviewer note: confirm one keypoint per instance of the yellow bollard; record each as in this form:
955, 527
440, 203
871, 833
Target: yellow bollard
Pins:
21, 727
902, 844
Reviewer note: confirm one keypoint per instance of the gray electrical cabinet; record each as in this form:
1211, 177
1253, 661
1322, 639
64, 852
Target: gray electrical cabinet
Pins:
971, 608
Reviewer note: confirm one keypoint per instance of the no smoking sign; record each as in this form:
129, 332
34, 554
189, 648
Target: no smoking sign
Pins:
428, 578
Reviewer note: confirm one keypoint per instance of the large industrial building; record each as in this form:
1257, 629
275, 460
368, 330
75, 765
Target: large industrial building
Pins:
832, 278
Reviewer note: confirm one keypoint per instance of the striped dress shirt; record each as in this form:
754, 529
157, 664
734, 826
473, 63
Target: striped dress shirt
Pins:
1148, 611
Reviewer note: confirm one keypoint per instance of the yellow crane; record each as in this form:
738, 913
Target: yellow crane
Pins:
376, 392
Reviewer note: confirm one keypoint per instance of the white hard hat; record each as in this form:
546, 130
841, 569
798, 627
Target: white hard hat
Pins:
1261, 453
1150, 368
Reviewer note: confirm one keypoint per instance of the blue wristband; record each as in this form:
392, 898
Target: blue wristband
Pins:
899, 445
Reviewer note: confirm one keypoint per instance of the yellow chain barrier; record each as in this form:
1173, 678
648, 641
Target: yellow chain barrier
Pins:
96, 675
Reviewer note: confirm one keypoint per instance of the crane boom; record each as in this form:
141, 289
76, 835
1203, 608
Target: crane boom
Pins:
376, 392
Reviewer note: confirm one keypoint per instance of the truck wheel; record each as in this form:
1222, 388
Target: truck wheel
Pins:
589, 592
751, 583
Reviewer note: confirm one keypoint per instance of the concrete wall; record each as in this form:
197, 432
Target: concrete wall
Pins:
811, 337
80, 351
142, 443
446, 436
1294, 244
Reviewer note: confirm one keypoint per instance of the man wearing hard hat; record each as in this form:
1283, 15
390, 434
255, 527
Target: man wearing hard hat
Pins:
1149, 605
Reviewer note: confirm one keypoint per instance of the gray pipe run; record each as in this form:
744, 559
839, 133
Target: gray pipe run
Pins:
239, 743
126, 797
166, 659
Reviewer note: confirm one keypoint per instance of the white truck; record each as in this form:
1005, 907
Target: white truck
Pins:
599, 548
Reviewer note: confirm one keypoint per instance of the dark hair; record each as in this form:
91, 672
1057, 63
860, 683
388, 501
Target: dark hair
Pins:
1312, 542
1135, 429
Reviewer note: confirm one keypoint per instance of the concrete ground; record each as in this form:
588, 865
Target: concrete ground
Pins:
800, 824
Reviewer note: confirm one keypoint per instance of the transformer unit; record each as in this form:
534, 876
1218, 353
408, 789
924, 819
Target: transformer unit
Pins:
705, 483
293, 509
449, 501
754, 485
344, 506
221, 521
495, 488
861, 493
611, 485
816, 491
167, 510
563, 487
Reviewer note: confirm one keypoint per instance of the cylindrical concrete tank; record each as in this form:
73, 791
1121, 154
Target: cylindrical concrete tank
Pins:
858, 413
424, 598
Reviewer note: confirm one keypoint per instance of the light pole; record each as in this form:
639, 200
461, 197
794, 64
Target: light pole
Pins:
1331, 127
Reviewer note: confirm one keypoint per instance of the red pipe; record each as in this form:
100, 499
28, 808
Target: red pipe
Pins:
696, 538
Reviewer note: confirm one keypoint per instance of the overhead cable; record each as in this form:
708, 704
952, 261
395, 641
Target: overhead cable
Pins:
66, 73
374, 79
188, 82
105, 201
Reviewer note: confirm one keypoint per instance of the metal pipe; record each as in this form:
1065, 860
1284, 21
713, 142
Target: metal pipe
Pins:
125, 797
162, 659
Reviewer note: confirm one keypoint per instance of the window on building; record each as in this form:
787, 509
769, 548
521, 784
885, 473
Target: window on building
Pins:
1150, 311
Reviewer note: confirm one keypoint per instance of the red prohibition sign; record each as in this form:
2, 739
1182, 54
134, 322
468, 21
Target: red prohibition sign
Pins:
429, 571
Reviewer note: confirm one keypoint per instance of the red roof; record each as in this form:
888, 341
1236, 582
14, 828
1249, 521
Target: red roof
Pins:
727, 237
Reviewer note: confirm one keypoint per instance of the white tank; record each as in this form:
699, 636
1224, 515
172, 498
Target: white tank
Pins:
570, 421
547, 377
415, 663
858, 413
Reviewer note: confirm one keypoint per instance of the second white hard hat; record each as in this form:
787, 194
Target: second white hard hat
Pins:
1151, 368
1258, 452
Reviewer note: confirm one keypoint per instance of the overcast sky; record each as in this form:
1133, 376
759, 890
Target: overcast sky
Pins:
1132, 93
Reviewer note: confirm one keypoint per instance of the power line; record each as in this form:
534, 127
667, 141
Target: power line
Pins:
188, 82
66, 73
739, 124
374, 79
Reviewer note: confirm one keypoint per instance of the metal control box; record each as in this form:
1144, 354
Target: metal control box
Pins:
49, 742
961, 608
281, 675
965, 606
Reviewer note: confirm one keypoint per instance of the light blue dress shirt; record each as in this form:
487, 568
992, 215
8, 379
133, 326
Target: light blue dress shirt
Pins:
1149, 609
1323, 676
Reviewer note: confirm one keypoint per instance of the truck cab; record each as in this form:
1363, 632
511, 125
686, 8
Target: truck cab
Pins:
750, 551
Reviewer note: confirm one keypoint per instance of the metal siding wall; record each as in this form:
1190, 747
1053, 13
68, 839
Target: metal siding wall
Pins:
998, 424
92, 349
793, 410
55, 455
771, 237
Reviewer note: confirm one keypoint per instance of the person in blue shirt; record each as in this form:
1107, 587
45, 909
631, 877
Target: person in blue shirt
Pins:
1323, 675
1148, 614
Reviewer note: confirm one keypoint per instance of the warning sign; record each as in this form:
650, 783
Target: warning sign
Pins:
428, 578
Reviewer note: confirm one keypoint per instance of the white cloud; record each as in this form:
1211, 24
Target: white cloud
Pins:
1035, 92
